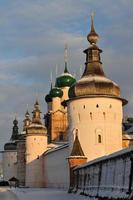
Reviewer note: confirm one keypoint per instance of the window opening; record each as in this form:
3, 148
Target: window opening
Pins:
91, 115
99, 139
61, 136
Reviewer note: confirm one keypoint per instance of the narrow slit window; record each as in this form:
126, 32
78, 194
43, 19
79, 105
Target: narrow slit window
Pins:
91, 115
99, 139
104, 115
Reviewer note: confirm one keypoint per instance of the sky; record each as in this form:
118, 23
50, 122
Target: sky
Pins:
32, 38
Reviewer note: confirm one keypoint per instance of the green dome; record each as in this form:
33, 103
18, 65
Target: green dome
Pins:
56, 92
65, 80
48, 98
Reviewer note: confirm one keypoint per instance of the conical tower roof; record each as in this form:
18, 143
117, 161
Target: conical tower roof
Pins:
77, 149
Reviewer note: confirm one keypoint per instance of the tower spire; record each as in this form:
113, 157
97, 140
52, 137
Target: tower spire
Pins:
92, 36
15, 129
93, 60
66, 58
51, 77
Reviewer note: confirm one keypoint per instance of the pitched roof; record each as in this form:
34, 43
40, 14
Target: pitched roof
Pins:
77, 149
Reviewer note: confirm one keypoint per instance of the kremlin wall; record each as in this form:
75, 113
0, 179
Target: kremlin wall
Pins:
81, 138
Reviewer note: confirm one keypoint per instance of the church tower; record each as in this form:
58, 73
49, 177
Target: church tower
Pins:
56, 117
95, 106
36, 145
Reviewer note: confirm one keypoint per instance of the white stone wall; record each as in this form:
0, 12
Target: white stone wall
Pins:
99, 124
9, 161
35, 147
56, 169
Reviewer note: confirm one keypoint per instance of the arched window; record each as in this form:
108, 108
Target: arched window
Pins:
97, 106
98, 136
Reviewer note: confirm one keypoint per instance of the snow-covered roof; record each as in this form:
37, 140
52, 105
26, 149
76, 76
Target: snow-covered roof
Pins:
36, 125
107, 157
57, 148
128, 136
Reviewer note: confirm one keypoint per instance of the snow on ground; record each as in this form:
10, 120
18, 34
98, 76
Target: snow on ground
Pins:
45, 194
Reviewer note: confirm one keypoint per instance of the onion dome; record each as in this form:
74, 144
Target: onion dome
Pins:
15, 122
56, 92
10, 146
48, 98
93, 81
66, 79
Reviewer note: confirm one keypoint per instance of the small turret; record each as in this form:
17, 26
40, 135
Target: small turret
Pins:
36, 113
26, 121
15, 130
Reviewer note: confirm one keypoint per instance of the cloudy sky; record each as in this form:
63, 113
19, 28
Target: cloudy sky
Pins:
32, 38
